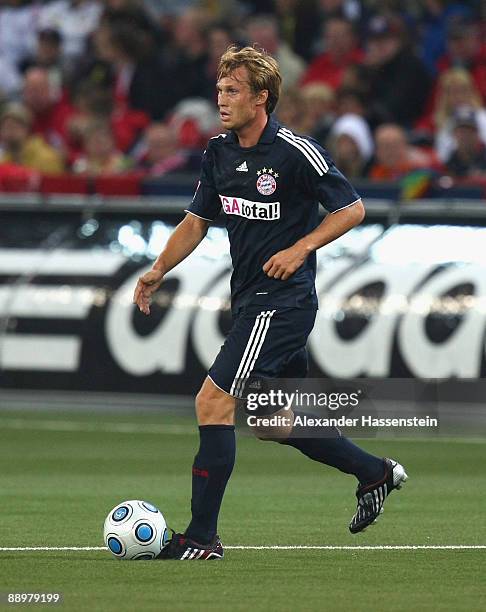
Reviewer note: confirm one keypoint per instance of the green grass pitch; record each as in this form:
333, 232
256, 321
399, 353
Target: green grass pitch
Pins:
62, 472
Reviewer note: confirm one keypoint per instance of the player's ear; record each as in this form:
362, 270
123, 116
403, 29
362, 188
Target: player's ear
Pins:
262, 96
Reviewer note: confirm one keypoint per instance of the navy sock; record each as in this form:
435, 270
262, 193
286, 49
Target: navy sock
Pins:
335, 450
211, 470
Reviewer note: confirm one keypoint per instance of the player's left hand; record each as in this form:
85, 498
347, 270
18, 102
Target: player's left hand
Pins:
284, 263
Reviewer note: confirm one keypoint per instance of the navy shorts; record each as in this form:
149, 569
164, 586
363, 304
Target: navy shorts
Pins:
264, 342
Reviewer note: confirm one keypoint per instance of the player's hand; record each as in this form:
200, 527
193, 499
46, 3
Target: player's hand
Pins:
284, 263
147, 285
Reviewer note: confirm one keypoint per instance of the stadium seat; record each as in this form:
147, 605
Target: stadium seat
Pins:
15, 178
118, 185
65, 184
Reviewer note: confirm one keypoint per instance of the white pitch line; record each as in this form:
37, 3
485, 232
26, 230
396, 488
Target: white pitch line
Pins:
82, 426
26, 548
384, 547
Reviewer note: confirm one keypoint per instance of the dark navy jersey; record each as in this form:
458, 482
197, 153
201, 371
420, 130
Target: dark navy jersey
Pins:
270, 195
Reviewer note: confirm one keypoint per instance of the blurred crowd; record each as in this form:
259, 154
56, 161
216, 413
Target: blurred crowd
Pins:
96, 88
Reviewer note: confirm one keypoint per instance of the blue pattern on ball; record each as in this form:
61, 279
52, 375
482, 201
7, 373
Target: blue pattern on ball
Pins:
150, 507
115, 546
120, 513
144, 532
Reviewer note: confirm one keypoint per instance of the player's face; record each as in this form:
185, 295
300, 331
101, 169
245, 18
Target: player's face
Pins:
236, 101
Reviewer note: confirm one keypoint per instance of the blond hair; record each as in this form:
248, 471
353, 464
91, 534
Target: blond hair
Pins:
263, 71
454, 76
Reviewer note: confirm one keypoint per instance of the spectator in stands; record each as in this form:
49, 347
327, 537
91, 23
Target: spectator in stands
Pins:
466, 49
122, 6
48, 55
194, 121
50, 110
19, 146
220, 36
263, 29
351, 143
469, 157
318, 111
397, 80
351, 101
299, 23
135, 12
97, 104
341, 50
351, 9
11, 82
163, 10
76, 20
137, 74
160, 151
100, 155
355, 11
18, 28
456, 88
290, 109
187, 55
394, 156
436, 15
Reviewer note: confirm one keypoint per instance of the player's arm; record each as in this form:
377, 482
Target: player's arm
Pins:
319, 178
204, 208
182, 242
285, 263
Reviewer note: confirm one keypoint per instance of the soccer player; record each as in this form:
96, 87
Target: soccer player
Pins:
268, 182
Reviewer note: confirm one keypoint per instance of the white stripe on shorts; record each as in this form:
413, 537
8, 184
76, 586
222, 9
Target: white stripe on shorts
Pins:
252, 350
249, 344
257, 352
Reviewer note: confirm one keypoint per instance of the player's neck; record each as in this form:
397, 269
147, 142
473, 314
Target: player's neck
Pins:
249, 135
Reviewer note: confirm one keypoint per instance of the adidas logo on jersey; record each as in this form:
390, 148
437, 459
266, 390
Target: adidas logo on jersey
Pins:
259, 211
242, 167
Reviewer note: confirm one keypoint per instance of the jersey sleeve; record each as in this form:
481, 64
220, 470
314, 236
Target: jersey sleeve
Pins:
325, 183
205, 202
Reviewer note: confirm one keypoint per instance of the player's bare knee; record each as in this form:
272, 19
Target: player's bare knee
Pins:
214, 413
205, 405
213, 407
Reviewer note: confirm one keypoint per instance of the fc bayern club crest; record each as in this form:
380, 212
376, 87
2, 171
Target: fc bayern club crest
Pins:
266, 183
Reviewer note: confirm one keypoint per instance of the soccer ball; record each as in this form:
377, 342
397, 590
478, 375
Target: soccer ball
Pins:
135, 529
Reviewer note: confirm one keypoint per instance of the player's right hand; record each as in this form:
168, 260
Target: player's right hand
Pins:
147, 285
